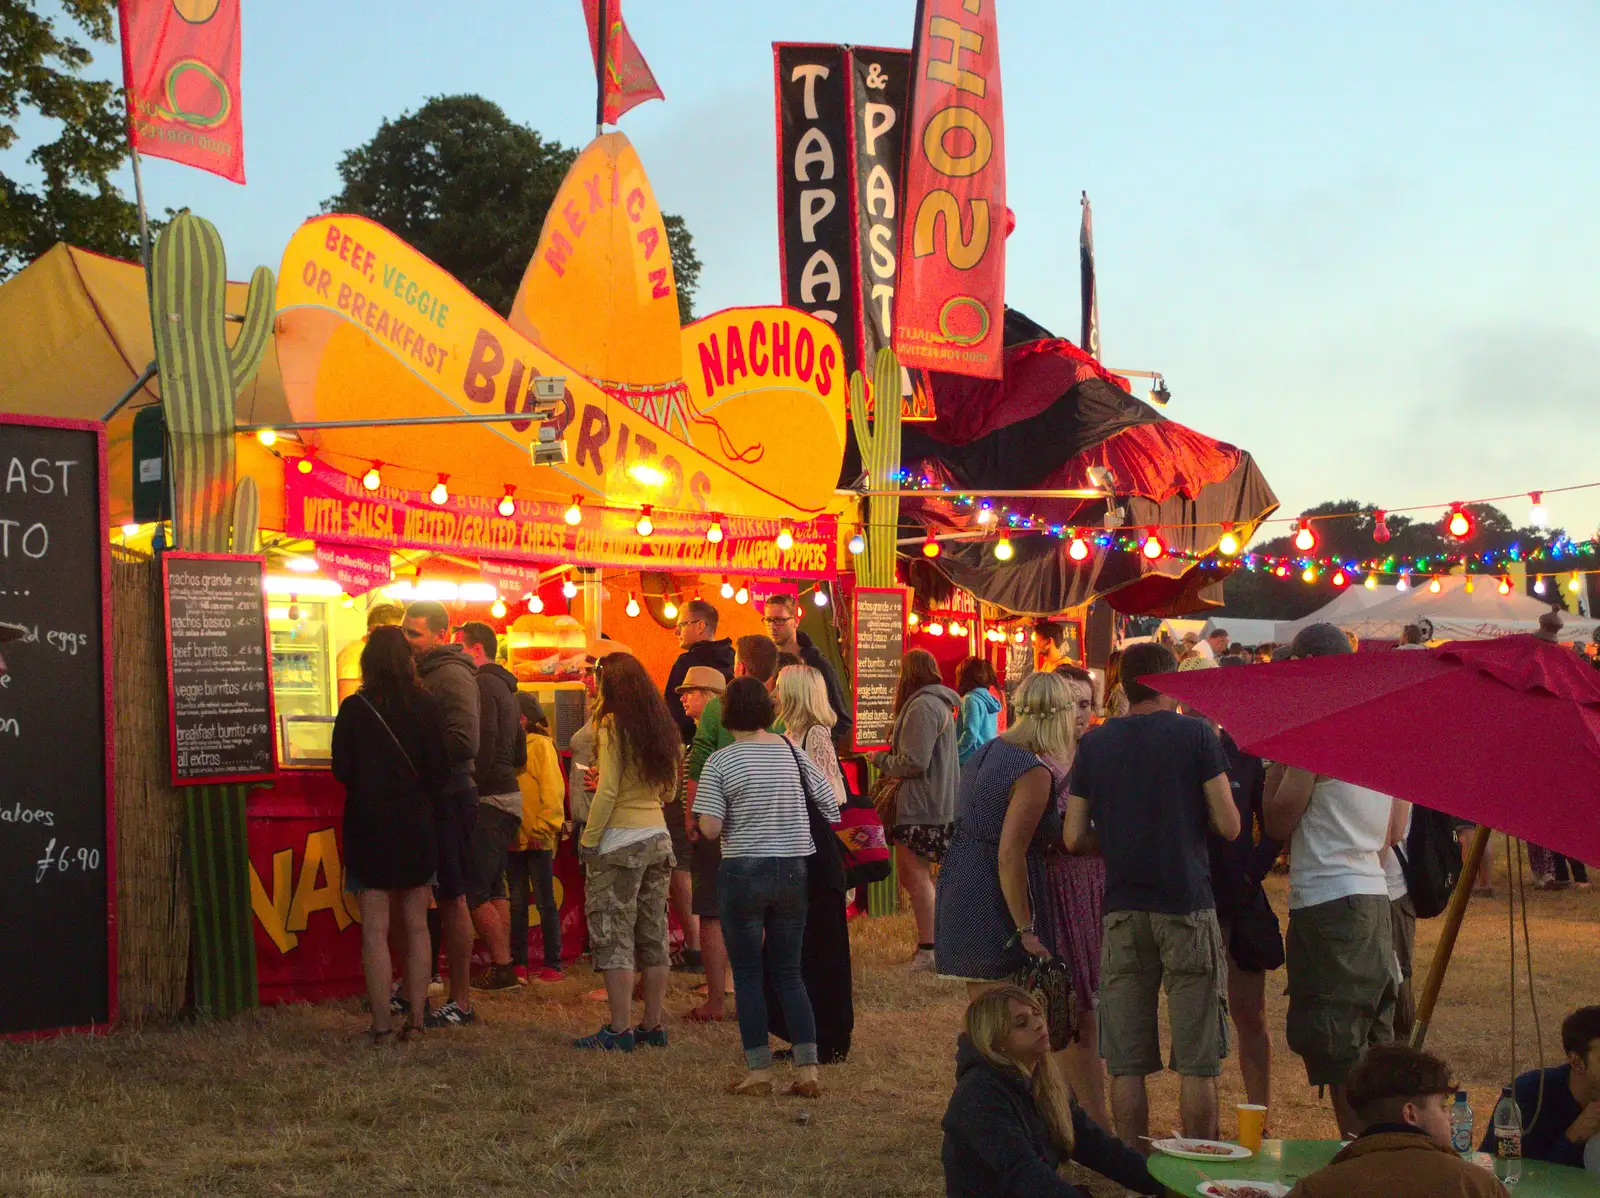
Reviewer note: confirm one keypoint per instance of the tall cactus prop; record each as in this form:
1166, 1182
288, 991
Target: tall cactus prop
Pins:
201, 376
880, 453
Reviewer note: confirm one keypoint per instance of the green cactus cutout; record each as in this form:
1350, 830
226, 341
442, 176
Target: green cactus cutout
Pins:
201, 375
246, 516
879, 440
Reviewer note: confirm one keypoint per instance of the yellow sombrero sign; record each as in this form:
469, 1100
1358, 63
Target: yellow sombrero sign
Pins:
744, 416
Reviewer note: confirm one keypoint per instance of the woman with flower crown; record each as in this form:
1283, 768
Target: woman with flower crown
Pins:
993, 911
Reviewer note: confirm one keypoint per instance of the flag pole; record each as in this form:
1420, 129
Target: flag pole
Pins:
138, 195
602, 33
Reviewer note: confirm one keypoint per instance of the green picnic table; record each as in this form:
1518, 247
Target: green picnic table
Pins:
1290, 1160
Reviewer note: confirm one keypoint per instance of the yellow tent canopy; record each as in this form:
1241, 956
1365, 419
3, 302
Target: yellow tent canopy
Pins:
75, 335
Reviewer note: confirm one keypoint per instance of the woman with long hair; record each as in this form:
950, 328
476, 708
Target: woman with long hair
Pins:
1116, 697
389, 753
808, 721
1010, 1123
1075, 892
980, 706
627, 851
923, 756
755, 796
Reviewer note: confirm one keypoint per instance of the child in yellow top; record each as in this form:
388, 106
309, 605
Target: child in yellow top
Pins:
532, 856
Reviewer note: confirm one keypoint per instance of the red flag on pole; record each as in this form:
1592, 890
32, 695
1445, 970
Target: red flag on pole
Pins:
180, 65
949, 304
628, 79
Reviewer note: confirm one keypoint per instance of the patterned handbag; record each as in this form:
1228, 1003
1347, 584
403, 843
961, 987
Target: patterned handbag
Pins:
1050, 983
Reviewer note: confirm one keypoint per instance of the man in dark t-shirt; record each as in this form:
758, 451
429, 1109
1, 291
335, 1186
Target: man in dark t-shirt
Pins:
1569, 1108
1145, 788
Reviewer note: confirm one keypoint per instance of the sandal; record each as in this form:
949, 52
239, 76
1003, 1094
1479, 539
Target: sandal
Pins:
701, 1015
411, 1032
809, 1089
374, 1037
751, 1089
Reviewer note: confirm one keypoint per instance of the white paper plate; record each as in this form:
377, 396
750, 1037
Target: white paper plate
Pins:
1186, 1150
1227, 1189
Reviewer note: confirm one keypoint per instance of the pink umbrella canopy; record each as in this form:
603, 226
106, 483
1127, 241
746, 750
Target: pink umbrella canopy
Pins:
1503, 732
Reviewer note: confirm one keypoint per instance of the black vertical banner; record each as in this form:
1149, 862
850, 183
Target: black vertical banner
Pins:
815, 200
880, 82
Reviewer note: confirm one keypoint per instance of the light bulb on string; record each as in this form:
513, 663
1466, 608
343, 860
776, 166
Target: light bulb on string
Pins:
1304, 539
1404, 584
1282, 571
985, 514
1380, 529
858, 545
373, 478
1339, 578
1505, 586
1536, 513
930, 547
1471, 586
1372, 582
1538, 586
267, 437
1574, 586
1152, 548
819, 597
936, 629
1458, 523
742, 596
569, 589
1229, 544
1309, 574
1003, 551
727, 588
912, 619
633, 606
1078, 549
645, 526
714, 533
508, 505
669, 610
574, 513
785, 540
1434, 586
440, 495
497, 609
535, 604
1017, 636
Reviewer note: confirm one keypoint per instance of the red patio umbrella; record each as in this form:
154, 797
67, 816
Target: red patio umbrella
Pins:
1504, 733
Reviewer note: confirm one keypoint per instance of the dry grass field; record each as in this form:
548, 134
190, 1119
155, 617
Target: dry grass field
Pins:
289, 1102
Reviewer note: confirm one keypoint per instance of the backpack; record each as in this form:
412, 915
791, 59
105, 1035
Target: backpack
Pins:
1430, 858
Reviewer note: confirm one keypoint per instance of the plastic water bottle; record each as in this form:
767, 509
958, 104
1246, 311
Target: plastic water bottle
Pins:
1461, 1126
1507, 1139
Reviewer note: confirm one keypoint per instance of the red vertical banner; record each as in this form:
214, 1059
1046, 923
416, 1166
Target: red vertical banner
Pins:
180, 65
950, 298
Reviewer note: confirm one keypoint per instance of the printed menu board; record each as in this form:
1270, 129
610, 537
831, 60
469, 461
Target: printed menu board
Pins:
880, 640
57, 889
219, 669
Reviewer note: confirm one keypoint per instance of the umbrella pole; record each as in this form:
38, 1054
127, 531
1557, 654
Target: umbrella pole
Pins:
1447, 938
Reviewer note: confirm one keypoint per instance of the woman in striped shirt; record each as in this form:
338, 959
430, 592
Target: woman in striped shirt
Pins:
753, 796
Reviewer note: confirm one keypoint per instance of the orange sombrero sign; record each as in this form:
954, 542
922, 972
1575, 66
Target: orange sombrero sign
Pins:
741, 413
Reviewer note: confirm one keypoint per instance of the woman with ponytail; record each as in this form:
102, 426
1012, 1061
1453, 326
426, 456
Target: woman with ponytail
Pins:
1011, 1124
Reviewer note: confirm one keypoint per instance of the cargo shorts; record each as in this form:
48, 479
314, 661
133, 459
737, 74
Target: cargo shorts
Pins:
1142, 953
1343, 983
625, 899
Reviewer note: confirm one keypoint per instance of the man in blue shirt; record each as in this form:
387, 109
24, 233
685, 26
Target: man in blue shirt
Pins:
1569, 1112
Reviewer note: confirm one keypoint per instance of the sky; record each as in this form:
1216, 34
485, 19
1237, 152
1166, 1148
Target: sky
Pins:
1358, 240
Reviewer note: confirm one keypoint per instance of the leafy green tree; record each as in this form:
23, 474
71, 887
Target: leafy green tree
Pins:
40, 65
469, 187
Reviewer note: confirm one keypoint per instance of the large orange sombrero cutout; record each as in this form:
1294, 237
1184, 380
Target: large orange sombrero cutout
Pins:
742, 412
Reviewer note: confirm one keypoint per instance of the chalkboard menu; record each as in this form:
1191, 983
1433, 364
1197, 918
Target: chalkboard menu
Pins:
219, 676
880, 641
57, 897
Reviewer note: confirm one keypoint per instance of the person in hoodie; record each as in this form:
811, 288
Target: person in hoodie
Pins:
449, 676
1010, 1124
502, 751
532, 856
922, 753
781, 614
1401, 1095
980, 706
697, 637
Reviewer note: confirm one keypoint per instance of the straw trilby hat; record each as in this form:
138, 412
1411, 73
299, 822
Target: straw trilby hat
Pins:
703, 678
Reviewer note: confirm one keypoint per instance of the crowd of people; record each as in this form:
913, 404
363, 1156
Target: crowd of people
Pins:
1101, 865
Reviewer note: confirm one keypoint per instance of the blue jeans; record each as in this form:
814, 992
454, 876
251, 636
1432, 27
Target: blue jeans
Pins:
533, 865
767, 896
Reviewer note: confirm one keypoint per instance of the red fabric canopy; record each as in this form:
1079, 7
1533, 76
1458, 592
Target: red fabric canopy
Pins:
1503, 732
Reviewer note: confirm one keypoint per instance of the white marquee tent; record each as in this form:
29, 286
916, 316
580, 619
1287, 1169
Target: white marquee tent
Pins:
1455, 613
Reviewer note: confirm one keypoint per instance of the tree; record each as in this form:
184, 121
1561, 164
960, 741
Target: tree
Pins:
469, 187
39, 75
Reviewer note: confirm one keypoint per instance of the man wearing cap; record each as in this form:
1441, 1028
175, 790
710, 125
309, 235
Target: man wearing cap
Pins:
700, 684
1344, 978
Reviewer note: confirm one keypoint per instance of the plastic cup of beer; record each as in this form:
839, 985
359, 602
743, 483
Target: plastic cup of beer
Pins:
1252, 1121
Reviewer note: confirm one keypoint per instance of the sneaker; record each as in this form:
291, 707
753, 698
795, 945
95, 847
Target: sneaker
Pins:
549, 973
690, 963
654, 1038
449, 1015
921, 961
397, 1004
607, 1040
495, 977
521, 972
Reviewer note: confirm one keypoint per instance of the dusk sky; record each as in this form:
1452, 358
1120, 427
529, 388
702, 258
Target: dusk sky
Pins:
1359, 240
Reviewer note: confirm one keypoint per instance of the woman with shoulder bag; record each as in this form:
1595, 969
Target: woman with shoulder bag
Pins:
389, 752
757, 796
922, 769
